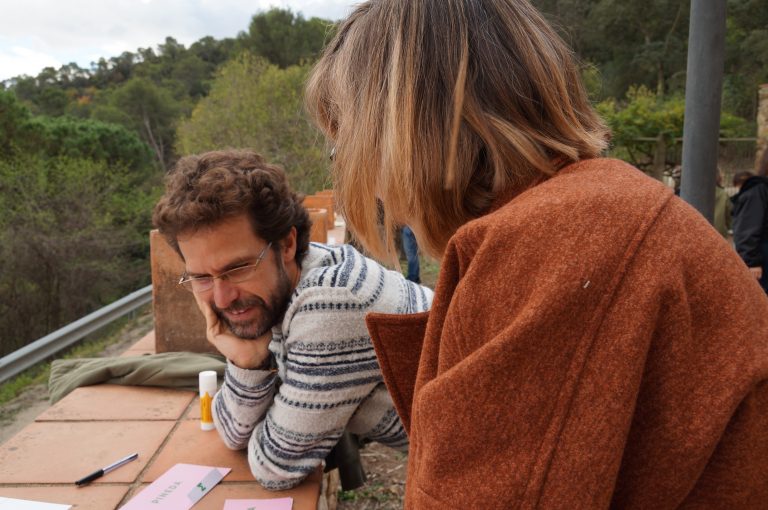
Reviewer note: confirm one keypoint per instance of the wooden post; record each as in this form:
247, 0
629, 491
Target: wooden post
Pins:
179, 325
322, 202
319, 231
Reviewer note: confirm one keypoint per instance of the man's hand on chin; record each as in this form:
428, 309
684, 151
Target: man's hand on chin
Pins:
244, 353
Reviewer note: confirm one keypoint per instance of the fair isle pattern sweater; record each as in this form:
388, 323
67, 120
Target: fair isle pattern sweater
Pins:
327, 378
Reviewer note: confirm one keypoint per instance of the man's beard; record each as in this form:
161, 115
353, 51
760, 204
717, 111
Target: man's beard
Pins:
269, 313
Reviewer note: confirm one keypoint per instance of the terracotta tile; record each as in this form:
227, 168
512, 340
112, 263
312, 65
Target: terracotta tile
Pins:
194, 409
144, 346
304, 496
92, 497
188, 444
116, 402
148, 342
62, 452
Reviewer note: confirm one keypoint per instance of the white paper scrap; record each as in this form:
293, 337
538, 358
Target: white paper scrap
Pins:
22, 504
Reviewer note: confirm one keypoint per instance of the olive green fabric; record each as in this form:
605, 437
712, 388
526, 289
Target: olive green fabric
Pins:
169, 370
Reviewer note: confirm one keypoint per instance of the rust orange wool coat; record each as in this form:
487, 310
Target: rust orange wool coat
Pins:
593, 343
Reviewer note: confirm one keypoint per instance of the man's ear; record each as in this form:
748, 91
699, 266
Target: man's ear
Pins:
288, 246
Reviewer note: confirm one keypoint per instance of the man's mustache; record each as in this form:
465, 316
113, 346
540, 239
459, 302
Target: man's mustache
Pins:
240, 304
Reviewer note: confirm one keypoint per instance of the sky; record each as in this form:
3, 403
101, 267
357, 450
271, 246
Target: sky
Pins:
40, 33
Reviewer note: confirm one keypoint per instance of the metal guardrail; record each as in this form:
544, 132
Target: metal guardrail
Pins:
50, 344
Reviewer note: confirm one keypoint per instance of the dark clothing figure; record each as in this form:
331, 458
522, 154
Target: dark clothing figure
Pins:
411, 250
750, 224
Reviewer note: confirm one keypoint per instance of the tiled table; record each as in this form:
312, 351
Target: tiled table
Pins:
96, 425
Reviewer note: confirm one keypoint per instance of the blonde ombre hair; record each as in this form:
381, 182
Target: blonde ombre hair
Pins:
438, 107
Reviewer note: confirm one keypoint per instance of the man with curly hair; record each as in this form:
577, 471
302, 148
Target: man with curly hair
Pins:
289, 315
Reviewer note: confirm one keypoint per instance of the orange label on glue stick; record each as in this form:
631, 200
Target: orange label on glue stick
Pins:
205, 408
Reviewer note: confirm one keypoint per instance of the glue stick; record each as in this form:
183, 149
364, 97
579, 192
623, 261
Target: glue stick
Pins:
207, 391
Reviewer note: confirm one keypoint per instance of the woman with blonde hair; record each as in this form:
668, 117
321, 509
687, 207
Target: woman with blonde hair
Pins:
593, 342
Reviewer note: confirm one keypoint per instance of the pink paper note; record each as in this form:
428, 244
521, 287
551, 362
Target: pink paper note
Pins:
259, 504
178, 488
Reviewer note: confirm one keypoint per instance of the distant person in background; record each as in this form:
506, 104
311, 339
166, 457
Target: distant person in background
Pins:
750, 223
723, 217
677, 174
411, 249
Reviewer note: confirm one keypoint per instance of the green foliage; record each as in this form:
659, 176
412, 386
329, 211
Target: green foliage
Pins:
285, 38
746, 59
255, 104
88, 139
141, 105
22, 133
13, 120
11, 389
73, 236
643, 116
646, 43
374, 492
632, 43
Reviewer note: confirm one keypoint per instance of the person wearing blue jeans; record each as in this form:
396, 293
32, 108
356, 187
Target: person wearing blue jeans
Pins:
411, 253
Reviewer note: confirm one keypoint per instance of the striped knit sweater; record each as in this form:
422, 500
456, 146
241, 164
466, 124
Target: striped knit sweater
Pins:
327, 378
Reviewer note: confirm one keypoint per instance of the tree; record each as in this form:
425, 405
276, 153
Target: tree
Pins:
646, 43
148, 109
644, 119
213, 51
255, 104
13, 123
746, 58
70, 237
285, 38
86, 139
633, 43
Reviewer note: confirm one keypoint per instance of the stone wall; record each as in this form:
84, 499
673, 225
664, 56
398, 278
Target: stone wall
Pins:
762, 123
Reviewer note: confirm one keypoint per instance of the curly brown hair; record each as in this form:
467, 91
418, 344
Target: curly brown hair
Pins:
204, 189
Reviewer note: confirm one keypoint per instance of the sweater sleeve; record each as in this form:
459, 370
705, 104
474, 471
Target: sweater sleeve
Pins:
241, 403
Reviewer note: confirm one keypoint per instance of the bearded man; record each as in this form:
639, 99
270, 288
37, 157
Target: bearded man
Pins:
289, 315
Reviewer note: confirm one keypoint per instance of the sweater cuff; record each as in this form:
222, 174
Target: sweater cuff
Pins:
250, 379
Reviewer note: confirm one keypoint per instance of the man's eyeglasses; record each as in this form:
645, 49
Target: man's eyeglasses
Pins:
237, 275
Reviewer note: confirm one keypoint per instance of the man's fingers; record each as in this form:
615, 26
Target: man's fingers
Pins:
211, 321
